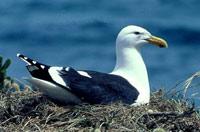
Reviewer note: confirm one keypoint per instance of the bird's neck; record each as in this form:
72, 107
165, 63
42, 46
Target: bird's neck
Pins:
130, 65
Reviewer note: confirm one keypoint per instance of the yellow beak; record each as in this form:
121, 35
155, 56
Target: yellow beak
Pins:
157, 41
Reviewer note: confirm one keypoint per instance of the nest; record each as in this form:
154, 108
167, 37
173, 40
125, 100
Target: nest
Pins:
31, 111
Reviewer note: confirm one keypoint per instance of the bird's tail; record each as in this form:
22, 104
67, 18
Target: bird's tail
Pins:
32, 64
26, 59
36, 69
29, 61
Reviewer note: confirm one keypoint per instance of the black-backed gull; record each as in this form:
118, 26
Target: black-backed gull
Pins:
128, 82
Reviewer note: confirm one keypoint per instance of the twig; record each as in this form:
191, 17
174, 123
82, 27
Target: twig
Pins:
126, 129
48, 118
37, 127
9, 119
168, 114
58, 124
26, 123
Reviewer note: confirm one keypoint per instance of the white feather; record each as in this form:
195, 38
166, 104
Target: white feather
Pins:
83, 73
42, 66
34, 62
130, 64
54, 73
54, 91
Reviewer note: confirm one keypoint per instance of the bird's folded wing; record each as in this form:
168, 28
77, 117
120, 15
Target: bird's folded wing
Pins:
99, 87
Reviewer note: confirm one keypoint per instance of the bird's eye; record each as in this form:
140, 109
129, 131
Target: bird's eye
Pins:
136, 33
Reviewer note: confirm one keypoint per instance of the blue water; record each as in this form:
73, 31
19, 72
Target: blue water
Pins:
82, 34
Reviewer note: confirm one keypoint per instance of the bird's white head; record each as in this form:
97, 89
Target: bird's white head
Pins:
135, 36
129, 63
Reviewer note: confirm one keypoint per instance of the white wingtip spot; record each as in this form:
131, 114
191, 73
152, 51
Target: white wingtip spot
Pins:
18, 54
34, 62
67, 69
42, 66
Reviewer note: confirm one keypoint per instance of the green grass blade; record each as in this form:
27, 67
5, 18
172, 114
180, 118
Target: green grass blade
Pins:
1, 60
6, 65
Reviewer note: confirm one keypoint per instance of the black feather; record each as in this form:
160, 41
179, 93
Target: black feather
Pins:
100, 88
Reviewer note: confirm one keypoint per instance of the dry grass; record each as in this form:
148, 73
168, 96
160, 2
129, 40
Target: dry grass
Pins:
28, 111
189, 83
167, 111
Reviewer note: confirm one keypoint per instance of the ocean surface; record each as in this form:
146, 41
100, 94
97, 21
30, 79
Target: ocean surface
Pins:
82, 34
